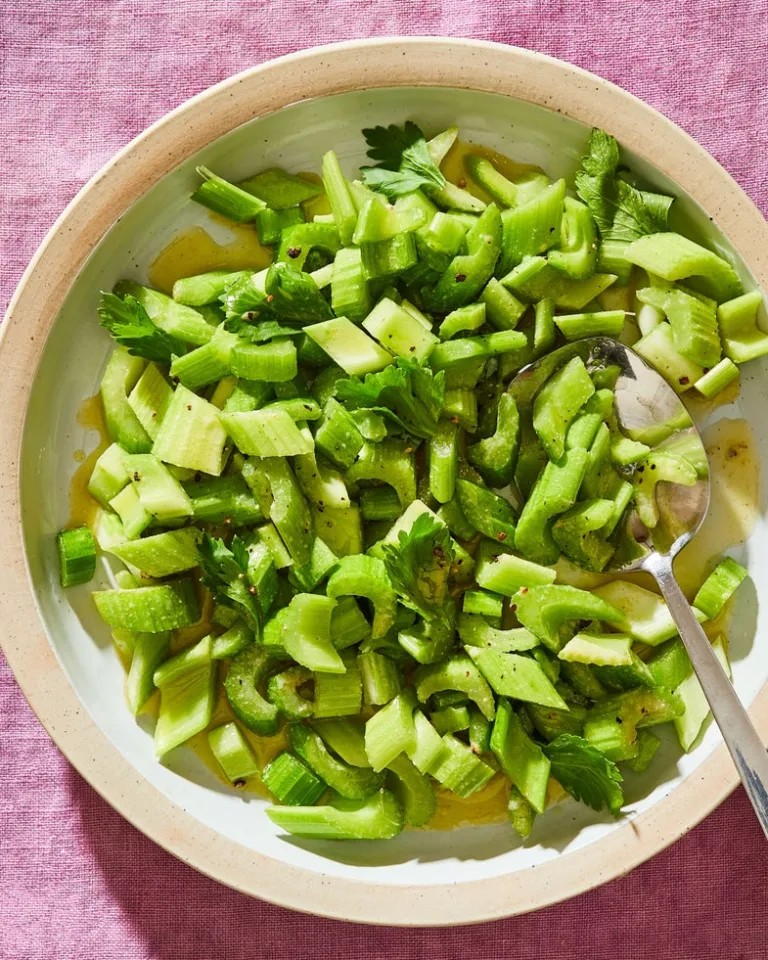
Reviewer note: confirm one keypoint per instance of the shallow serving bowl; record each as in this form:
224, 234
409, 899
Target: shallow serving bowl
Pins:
52, 352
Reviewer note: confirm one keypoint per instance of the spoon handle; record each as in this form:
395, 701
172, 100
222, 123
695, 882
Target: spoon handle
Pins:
746, 748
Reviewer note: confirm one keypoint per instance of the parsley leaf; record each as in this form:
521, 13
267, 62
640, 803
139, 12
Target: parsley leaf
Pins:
419, 565
386, 144
294, 296
224, 572
405, 163
406, 392
259, 332
585, 773
622, 211
129, 323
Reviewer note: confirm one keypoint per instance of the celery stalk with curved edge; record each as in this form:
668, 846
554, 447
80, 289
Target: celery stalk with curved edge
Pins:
380, 817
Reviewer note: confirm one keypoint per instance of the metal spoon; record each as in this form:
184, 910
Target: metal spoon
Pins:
648, 409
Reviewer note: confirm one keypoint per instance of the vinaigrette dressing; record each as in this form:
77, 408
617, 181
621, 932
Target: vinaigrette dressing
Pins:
730, 446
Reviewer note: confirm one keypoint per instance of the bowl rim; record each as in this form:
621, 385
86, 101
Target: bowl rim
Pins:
257, 91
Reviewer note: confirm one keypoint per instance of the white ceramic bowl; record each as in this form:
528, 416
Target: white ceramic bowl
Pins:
52, 352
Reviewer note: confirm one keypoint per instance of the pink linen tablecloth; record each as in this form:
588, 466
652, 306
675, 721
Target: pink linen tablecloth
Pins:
80, 78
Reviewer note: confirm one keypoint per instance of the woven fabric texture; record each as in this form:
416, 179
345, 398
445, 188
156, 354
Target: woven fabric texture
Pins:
80, 78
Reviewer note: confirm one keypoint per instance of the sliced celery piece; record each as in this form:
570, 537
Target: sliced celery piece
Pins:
339, 695
505, 573
558, 402
160, 493
349, 780
109, 475
233, 752
266, 433
291, 782
532, 228
475, 631
273, 362
414, 791
719, 587
163, 554
149, 651
696, 708
280, 189
646, 616
674, 257
246, 674
282, 692
459, 770
180, 321
350, 294
225, 198
187, 685
348, 346
364, 576
205, 288
150, 397
601, 323
457, 673
339, 197
658, 348
381, 677
380, 817
120, 376
191, 434
207, 363
307, 633
149, 609
545, 609
521, 759
516, 675
134, 518
390, 461
398, 331
77, 556
716, 379
742, 338
390, 731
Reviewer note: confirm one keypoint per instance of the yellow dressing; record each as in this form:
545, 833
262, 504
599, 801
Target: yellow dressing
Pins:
82, 506
454, 170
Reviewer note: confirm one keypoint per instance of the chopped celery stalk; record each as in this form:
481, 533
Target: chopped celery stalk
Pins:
350, 294
283, 692
495, 457
224, 500
348, 624
339, 197
459, 770
545, 609
380, 503
134, 518
321, 561
279, 189
339, 695
178, 320
340, 529
149, 609
503, 309
427, 641
108, 530
718, 378
656, 467
187, 685
205, 288
521, 759
468, 273
247, 395
450, 719
612, 724
233, 640
266, 433
475, 631
349, 346
601, 323
505, 573
166, 553
483, 603
149, 651
380, 817
719, 587
443, 461
307, 633
520, 813
233, 753
120, 377
225, 198
390, 731
576, 254
291, 782
555, 491
387, 258
351, 781
387, 462
558, 402
516, 675
398, 331
297, 243
160, 493
457, 673
674, 257
150, 397
696, 708
543, 326
428, 744
533, 227
381, 677
346, 738
452, 352
693, 319
364, 576
647, 317
414, 791
742, 339
625, 452
207, 363
273, 362
658, 348
337, 436
77, 556
509, 193
191, 434
535, 278
604, 650
109, 475
246, 673
579, 533
468, 318
271, 223
645, 614
479, 731
648, 743
489, 514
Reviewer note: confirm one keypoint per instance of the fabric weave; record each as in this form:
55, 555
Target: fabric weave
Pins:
80, 78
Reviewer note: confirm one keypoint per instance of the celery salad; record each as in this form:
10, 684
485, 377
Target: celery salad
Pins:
320, 464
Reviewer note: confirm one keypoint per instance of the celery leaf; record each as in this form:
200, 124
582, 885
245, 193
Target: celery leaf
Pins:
585, 773
405, 163
419, 564
129, 323
224, 573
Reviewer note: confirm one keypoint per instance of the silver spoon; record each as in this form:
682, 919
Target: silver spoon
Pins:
648, 408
